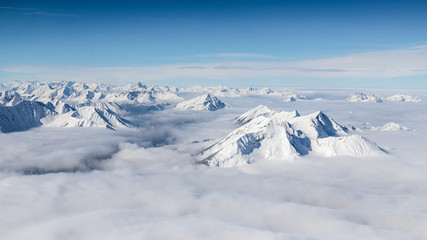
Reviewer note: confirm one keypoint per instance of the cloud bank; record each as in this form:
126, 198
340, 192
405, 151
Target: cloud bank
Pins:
101, 184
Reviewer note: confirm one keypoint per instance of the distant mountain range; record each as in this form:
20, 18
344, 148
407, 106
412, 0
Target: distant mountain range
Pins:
361, 97
24, 105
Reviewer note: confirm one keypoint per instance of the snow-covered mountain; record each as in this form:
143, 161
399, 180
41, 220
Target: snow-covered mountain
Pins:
78, 93
391, 126
9, 98
361, 97
222, 91
96, 115
206, 102
248, 116
402, 98
74, 104
23, 115
292, 97
279, 135
82, 105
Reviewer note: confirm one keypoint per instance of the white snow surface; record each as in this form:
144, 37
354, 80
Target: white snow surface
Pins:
222, 91
402, 98
206, 102
391, 126
361, 97
66, 99
85, 105
248, 116
279, 135
100, 115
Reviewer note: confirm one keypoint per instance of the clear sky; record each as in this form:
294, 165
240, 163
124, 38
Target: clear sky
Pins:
237, 43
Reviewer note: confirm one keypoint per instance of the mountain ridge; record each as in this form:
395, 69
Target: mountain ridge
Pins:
279, 135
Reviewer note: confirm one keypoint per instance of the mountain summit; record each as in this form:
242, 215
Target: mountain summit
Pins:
206, 102
280, 135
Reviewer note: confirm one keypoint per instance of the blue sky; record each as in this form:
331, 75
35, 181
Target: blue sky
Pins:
216, 42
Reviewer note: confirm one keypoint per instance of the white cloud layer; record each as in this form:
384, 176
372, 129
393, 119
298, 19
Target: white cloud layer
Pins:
383, 64
138, 191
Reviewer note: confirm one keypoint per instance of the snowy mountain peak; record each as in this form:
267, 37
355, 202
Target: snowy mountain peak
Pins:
246, 117
317, 125
262, 110
204, 102
391, 126
402, 98
9, 98
23, 116
361, 97
269, 135
91, 115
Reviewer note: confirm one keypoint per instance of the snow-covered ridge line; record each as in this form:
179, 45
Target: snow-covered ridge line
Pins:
361, 97
285, 136
23, 116
206, 102
391, 126
222, 91
78, 104
133, 92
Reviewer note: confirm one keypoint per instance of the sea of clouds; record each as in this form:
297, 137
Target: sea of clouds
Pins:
146, 183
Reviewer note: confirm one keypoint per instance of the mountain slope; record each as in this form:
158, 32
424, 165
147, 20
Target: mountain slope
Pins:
23, 116
391, 126
402, 98
361, 97
248, 116
206, 102
99, 115
285, 136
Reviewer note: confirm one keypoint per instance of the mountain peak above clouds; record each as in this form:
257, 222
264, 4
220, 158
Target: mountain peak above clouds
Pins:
24, 115
73, 104
285, 136
92, 115
391, 126
403, 98
248, 116
361, 97
206, 102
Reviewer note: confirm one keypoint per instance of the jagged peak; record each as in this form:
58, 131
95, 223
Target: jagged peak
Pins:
280, 135
204, 102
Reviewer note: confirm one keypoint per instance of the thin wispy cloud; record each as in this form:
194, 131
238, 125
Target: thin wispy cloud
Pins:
422, 46
382, 64
38, 11
18, 8
237, 55
50, 14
